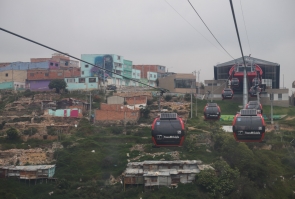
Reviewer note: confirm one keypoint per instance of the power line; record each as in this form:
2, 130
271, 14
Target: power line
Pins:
209, 30
191, 24
22, 37
245, 27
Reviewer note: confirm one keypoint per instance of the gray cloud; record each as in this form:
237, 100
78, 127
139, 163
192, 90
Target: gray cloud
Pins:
151, 32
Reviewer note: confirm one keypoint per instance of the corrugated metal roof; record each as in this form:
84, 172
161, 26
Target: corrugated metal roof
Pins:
247, 60
134, 171
173, 162
28, 168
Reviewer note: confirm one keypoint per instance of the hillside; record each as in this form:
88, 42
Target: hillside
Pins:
92, 158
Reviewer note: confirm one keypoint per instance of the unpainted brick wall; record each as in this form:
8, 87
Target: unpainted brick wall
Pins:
136, 100
109, 115
114, 107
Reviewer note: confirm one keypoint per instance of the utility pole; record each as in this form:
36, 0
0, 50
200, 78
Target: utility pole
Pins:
192, 100
271, 108
90, 106
212, 90
104, 67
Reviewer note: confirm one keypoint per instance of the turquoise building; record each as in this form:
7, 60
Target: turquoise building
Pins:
127, 72
109, 62
82, 83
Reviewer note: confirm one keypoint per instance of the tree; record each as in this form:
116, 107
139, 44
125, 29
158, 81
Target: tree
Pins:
12, 134
168, 98
58, 84
157, 82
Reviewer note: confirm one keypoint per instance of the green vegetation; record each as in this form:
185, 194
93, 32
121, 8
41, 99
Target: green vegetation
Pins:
94, 153
12, 134
58, 84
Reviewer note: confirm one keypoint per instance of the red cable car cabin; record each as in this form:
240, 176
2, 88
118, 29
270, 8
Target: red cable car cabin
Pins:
227, 93
235, 82
253, 91
254, 105
248, 126
212, 111
168, 130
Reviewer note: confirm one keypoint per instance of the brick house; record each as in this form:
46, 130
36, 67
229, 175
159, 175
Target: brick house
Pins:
116, 112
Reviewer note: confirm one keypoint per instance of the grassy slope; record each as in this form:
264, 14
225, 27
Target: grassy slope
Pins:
77, 166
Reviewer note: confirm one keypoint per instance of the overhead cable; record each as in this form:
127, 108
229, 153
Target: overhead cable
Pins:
245, 27
233, 12
209, 30
191, 25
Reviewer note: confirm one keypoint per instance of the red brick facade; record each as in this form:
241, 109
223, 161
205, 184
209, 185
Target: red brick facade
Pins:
37, 74
136, 100
116, 112
144, 69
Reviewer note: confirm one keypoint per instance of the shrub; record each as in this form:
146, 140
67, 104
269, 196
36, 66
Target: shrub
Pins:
12, 134
30, 131
116, 130
168, 98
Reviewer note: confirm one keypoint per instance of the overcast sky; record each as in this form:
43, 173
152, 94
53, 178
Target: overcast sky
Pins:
152, 32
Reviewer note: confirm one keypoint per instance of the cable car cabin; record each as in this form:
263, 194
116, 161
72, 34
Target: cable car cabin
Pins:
254, 105
168, 130
248, 126
227, 93
212, 111
235, 82
253, 91
255, 81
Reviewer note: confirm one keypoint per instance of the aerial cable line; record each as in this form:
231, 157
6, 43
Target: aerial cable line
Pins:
191, 25
234, 17
245, 27
22, 37
210, 30
245, 94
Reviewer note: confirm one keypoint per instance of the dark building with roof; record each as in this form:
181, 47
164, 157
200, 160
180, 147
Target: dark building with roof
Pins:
271, 71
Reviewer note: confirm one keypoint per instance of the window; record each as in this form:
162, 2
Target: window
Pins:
86, 66
67, 63
137, 74
32, 74
51, 64
81, 80
59, 74
280, 96
119, 57
82, 72
56, 64
92, 80
133, 74
154, 179
151, 75
185, 83
6, 75
46, 74
154, 76
71, 80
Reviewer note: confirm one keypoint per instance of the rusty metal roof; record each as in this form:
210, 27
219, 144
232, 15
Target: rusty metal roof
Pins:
28, 168
152, 162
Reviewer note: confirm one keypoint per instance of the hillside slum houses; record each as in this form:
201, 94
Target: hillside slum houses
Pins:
28, 172
166, 173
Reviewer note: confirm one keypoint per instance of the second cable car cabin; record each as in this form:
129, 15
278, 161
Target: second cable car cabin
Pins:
254, 105
254, 90
212, 111
168, 130
248, 126
227, 93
